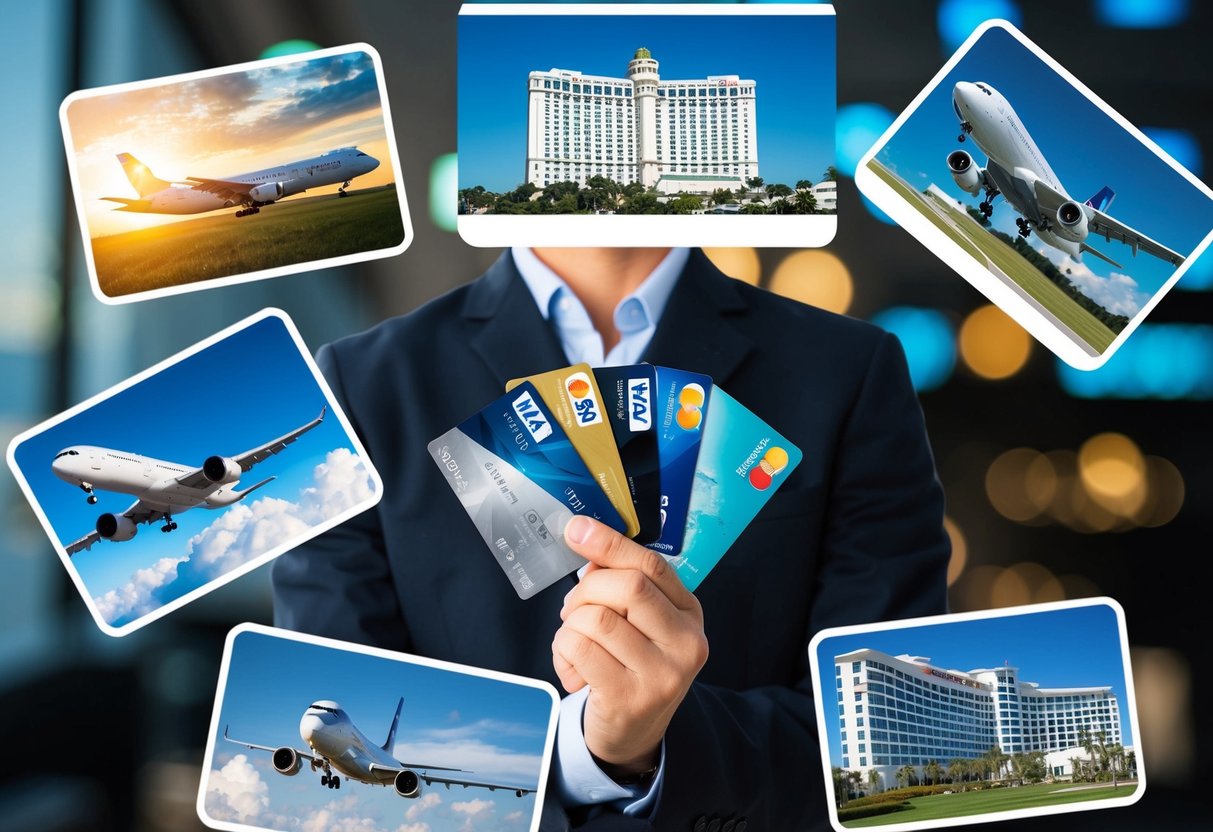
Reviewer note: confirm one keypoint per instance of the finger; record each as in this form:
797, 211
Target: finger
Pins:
606, 547
612, 632
632, 595
570, 679
589, 659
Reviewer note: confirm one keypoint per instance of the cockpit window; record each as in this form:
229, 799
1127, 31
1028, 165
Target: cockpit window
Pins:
360, 153
984, 89
333, 711
67, 453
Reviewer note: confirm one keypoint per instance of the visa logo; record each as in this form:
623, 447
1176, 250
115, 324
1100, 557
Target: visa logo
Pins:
532, 417
640, 413
583, 400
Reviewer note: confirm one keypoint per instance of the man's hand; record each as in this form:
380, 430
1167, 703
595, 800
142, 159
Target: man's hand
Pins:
634, 634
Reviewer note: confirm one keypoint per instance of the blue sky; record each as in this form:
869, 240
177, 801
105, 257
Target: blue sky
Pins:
237, 394
493, 728
791, 59
1077, 647
1085, 148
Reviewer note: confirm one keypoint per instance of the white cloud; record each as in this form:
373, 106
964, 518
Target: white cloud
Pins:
241, 533
236, 792
1118, 293
473, 808
422, 804
414, 827
515, 817
487, 760
330, 818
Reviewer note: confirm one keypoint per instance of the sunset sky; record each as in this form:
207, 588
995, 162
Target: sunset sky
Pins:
224, 125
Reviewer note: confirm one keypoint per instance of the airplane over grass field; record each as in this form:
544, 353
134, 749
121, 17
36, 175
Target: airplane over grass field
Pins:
251, 190
339, 748
162, 488
1017, 169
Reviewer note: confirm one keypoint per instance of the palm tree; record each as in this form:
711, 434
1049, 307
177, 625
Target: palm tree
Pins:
1131, 764
805, 202
803, 184
1075, 769
840, 786
932, 771
905, 774
958, 769
855, 779
1116, 756
1088, 745
875, 781
996, 758
755, 183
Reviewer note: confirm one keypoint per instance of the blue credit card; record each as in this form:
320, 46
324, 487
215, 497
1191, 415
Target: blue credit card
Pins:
742, 462
681, 408
627, 394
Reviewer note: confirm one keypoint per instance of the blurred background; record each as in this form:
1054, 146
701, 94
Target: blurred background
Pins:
1060, 484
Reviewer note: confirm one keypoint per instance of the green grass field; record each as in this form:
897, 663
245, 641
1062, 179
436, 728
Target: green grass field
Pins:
936, 806
989, 250
293, 231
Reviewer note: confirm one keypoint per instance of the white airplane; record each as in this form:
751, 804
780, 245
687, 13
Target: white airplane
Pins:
338, 748
162, 488
251, 190
1017, 169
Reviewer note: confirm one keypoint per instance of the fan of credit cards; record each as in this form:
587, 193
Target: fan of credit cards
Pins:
658, 454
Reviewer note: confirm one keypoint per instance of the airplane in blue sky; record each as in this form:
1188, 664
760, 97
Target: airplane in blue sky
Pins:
161, 488
336, 746
1017, 170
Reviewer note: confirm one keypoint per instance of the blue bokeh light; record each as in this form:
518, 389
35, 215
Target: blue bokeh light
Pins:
856, 129
929, 342
956, 19
1181, 145
1141, 14
444, 191
1199, 276
1158, 361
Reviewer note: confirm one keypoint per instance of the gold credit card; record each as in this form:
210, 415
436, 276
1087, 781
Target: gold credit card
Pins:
573, 396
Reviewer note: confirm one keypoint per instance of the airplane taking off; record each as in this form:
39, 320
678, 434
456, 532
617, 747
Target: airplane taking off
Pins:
250, 190
339, 748
1018, 170
162, 488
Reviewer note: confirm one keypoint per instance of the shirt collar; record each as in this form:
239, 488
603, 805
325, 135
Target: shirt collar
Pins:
653, 294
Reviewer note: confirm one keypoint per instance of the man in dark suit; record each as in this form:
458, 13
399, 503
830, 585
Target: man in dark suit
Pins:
854, 535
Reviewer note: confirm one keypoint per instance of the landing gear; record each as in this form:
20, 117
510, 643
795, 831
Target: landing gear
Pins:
986, 209
169, 524
88, 489
244, 212
1024, 228
341, 191
330, 780
965, 129
987, 205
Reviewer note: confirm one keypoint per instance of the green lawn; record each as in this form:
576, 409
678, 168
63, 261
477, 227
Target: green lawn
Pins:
934, 807
969, 236
221, 244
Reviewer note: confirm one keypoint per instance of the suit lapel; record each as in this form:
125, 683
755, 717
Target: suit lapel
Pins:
515, 340
697, 331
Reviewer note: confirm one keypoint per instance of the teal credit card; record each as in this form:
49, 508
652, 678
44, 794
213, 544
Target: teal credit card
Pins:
742, 462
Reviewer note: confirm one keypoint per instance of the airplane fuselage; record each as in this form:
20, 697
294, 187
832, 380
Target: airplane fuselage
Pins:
152, 481
269, 184
1015, 160
347, 749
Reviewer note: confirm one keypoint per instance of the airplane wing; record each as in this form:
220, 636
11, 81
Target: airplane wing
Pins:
305, 755
423, 772
222, 188
138, 513
197, 479
1106, 226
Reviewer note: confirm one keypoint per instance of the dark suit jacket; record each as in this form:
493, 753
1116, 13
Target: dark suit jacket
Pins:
854, 535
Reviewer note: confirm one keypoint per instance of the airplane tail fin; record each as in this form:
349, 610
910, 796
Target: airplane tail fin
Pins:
240, 495
1100, 255
391, 734
145, 182
1102, 200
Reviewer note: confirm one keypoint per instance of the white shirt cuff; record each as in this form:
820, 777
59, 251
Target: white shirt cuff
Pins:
581, 782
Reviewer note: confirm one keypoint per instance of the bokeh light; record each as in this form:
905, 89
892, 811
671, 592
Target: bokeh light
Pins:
740, 263
1162, 681
1159, 361
288, 47
444, 191
814, 277
992, 344
856, 129
1181, 145
1199, 276
1113, 472
957, 19
1165, 496
1006, 480
1141, 14
926, 336
960, 550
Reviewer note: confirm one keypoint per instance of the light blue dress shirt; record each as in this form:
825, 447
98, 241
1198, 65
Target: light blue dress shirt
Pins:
580, 780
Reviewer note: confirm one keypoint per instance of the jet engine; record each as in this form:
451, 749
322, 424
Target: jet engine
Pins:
221, 470
407, 783
1072, 221
116, 527
274, 191
287, 761
967, 175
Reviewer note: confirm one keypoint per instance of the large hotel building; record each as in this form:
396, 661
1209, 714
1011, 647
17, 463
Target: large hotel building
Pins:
901, 710
691, 136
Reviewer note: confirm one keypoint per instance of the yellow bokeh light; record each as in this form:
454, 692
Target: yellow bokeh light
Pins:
960, 550
972, 591
1006, 480
1079, 586
1165, 496
1040, 482
814, 277
992, 345
1113, 472
1009, 589
740, 263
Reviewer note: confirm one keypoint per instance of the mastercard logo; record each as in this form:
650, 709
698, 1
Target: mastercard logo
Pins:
579, 388
768, 468
690, 410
